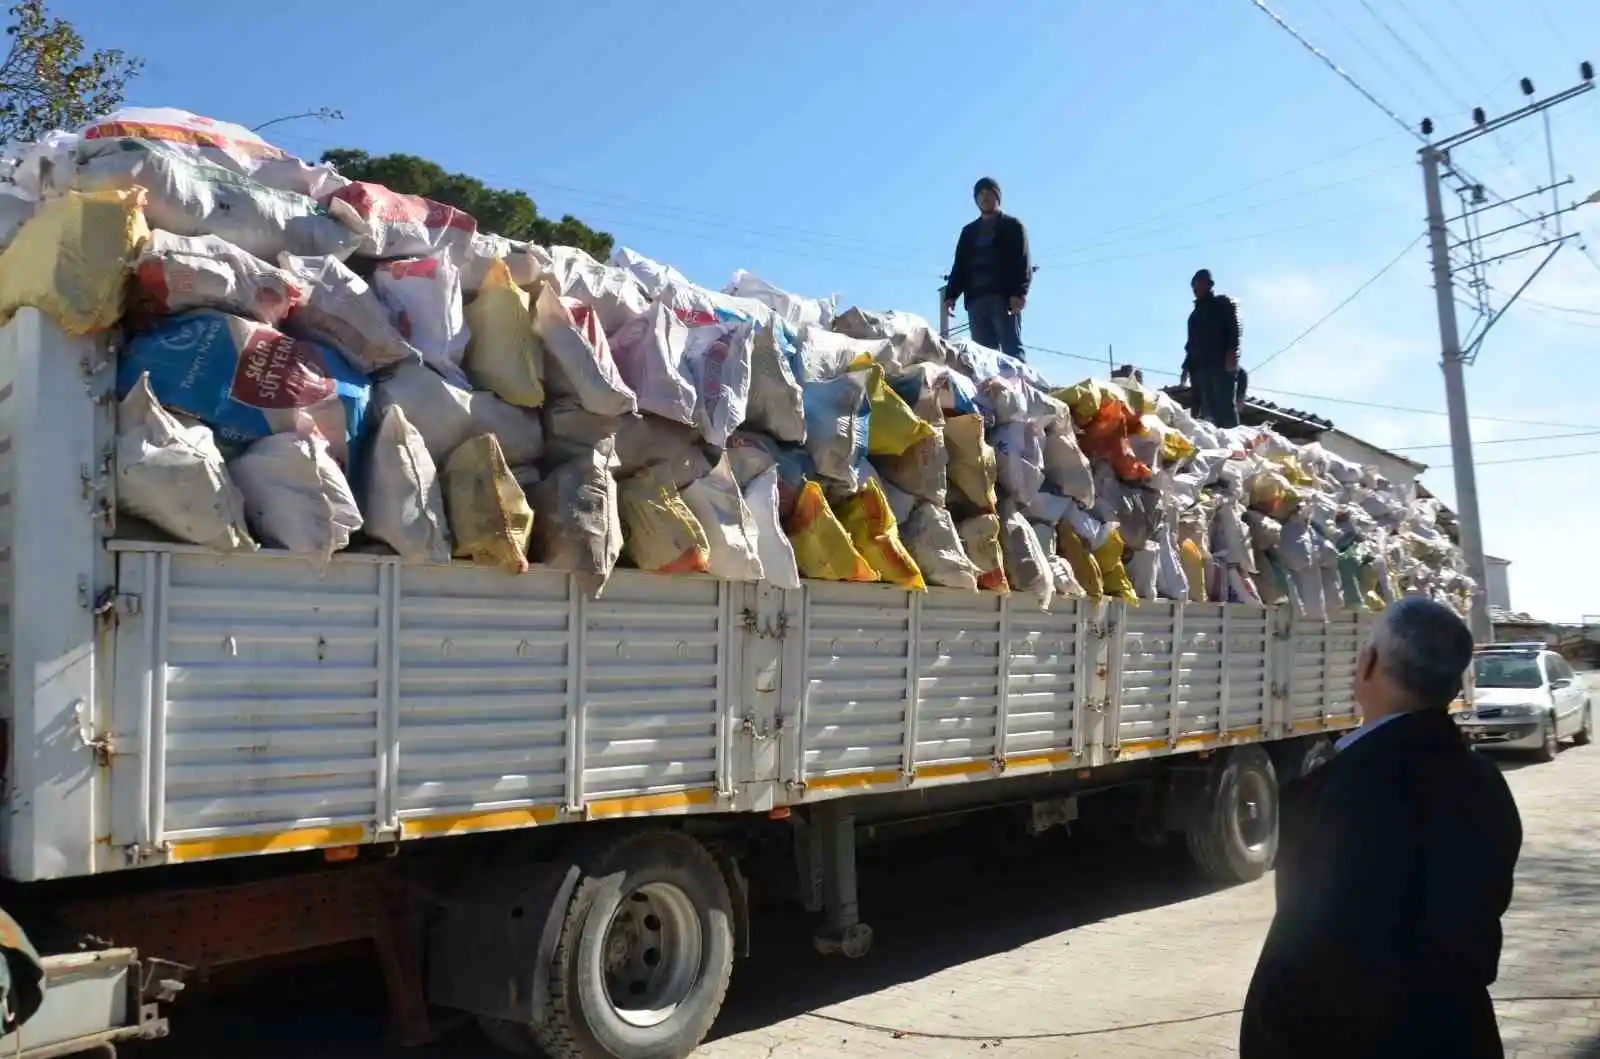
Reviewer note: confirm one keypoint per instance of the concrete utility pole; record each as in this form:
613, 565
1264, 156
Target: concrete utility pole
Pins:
1435, 159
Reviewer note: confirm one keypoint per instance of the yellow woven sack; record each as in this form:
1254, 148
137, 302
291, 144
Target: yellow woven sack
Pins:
1113, 573
892, 427
71, 259
1085, 399
503, 355
822, 547
659, 532
972, 468
489, 516
1075, 550
876, 535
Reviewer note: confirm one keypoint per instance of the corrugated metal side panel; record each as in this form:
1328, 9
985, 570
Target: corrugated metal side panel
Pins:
958, 676
1146, 671
483, 686
10, 401
857, 680
1045, 678
655, 684
1202, 687
267, 674
1344, 644
1249, 670
1322, 680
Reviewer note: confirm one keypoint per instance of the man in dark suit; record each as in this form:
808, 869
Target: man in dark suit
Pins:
991, 269
1394, 867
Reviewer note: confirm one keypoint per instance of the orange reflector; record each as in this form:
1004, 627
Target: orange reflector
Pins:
340, 854
780, 813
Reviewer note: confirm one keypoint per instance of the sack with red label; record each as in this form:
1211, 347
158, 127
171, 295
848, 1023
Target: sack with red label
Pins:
394, 225
341, 311
423, 296
222, 143
246, 380
176, 273
718, 358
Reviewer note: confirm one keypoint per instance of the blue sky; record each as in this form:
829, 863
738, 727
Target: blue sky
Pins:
831, 146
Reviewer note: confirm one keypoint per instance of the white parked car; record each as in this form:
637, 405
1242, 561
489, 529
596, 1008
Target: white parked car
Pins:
1526, 698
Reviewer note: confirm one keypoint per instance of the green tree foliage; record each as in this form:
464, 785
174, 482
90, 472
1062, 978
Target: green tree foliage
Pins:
46, 80
508, 213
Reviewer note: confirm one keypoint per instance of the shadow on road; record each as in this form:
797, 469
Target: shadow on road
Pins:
932, 904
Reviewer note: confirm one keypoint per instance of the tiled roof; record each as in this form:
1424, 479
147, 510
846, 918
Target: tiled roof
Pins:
1290, 422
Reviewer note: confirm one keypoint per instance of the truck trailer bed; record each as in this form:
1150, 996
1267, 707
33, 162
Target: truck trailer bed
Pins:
167, 704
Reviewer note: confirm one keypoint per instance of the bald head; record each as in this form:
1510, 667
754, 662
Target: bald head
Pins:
1416, 660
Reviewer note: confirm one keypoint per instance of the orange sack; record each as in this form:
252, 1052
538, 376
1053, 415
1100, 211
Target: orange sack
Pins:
1105, 436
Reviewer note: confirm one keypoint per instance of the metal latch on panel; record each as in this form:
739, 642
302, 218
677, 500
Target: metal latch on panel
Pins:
778, 628
111, 601
97, 742
758, 732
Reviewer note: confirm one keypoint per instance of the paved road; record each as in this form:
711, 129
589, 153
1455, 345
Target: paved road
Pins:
1044, 958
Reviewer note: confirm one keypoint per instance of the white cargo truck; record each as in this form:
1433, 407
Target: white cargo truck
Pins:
544, 808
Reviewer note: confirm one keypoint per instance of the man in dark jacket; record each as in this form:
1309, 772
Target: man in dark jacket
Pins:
991, 269
1395, 865
1211, 355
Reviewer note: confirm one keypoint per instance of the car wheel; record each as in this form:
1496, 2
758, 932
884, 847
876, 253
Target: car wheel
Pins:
1548, 745
1584, 736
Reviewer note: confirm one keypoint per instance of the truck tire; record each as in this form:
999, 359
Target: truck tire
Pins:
1233, 835
644, 957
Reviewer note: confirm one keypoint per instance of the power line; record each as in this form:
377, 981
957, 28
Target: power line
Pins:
1033, 347
1589, 256
1565, 321
1416, 56
1461, 68
1336, 68
1487, 41
1361, 42
1559, 308
1502, 441
1352, 297
1211, 216
1258, 182
1382, 107
1208, 243
1524, 459
1434, 74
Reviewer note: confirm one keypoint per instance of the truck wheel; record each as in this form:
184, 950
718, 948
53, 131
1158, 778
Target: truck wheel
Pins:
644, 956
1233, 836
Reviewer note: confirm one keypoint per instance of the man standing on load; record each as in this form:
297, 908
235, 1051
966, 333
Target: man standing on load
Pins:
991, 269
1211, 355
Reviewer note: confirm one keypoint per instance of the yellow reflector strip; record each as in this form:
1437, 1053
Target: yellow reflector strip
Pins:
649, 803
881, 778
279, 842
491, 820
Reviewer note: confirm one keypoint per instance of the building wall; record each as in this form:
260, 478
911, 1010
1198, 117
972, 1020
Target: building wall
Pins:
1497, 573
1398, 471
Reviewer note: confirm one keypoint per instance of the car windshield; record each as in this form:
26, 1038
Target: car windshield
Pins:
1506, 671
